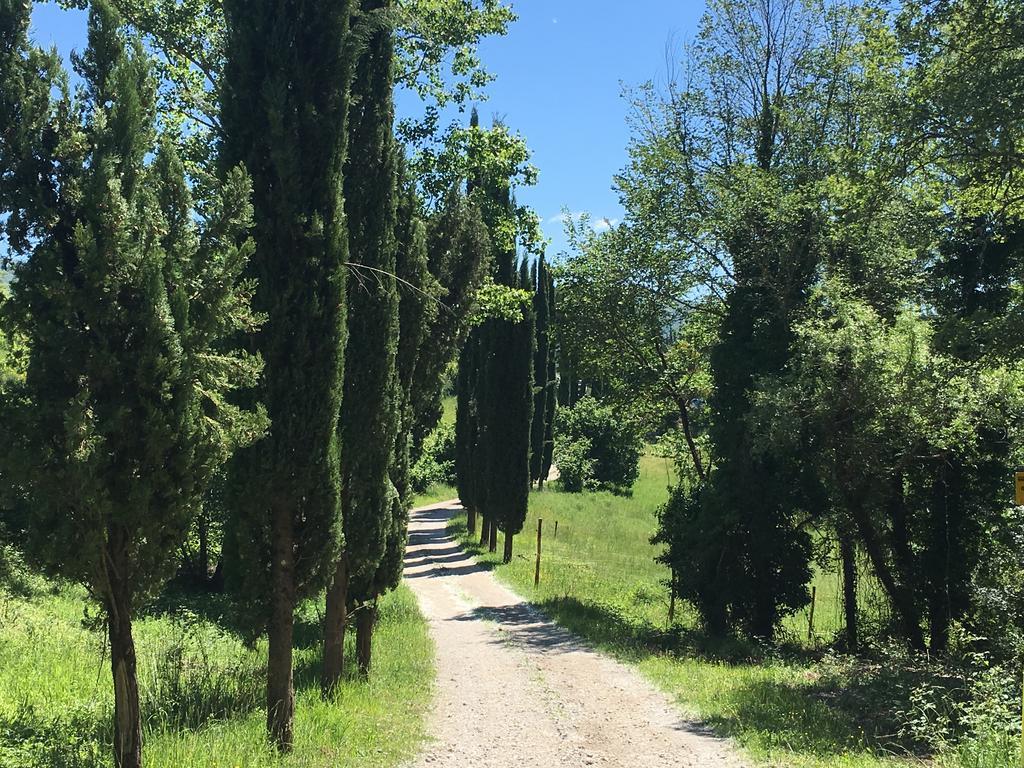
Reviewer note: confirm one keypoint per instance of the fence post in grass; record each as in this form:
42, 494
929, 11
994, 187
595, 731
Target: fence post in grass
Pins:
810, 619
536, 573
556, 529
672, 599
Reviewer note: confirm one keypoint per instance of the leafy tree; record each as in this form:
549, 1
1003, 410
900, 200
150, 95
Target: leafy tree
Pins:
128, 300
596, 448
737, 180
882, 407
285, 102
641, 320
437, 59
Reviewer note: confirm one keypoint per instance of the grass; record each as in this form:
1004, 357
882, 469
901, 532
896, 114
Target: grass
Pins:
202, 690
435, 494
795, 706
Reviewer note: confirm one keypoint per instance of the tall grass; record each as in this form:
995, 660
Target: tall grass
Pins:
202, 690
793, 705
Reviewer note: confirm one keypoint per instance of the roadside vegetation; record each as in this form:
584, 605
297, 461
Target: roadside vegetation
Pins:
793, 703
202, 686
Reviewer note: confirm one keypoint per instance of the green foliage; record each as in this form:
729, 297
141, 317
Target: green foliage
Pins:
287, 485
599, 579
371, 401
128, 302
500, 302
459, 250
436, 465
203, 688
595, 448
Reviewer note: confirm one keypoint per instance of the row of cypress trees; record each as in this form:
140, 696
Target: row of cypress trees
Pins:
274, 332
506, 398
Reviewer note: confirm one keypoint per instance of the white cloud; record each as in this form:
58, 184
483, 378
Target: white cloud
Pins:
603, 224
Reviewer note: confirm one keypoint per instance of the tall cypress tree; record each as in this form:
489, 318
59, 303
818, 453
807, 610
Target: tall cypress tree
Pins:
127, 300
459, 254
467, 427
552, 398
369, 411
285, 104
417, 305
506, 409
541, 364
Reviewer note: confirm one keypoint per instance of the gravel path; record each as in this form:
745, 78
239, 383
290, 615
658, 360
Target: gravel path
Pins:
514, 689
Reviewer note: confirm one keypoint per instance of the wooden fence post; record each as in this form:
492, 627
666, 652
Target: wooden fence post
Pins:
672, 600
536, 574
810, 619
556, 529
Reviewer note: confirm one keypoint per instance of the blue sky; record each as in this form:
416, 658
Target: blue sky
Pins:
559, 73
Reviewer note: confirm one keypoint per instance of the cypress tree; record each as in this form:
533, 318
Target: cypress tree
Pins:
507, 412
467, 431
459, 248
541, 370
285, 103
551, 402
127, 300
369, 410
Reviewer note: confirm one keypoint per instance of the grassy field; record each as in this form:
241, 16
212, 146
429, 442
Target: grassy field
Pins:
202, 690
794, 707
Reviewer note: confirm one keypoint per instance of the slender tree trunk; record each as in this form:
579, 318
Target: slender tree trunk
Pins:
366, 621
492, 539
217, 580
471, 521
485, 531
280, 634
127, 714
691, 443
938, 570
846, 554
204, 548
335, 621
901, 597
507, 555
903, 554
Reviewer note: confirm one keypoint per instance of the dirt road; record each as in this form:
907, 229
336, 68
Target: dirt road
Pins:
516, 690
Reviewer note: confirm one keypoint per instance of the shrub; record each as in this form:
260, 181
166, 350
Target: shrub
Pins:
594, 448
436, 466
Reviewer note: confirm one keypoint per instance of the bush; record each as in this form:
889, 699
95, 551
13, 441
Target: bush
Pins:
594, 448
436, 466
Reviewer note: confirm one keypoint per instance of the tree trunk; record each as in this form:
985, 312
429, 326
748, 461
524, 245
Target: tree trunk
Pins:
846, 554
507, 555
691, 443
366, 621
217, 580
902, 599
335, 621
471, 521
938, 554
903, 554
204, 548
492, 539
280, 631
127, 715
485, 531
